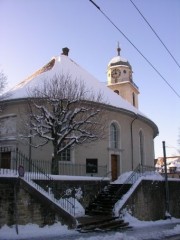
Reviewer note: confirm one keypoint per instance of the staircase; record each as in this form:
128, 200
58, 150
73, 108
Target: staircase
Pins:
100, 223
104, 203
99, 213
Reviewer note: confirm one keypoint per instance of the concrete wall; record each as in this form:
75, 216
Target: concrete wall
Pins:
148, 200
18, 206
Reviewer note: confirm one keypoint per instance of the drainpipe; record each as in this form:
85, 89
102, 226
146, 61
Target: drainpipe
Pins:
30, 151
132, 144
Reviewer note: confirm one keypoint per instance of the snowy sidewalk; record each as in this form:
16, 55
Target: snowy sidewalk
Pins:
141, 231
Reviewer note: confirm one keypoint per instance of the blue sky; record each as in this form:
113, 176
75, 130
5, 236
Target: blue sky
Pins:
32, 32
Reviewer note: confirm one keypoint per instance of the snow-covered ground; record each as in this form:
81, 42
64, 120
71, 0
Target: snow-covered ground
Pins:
140, 230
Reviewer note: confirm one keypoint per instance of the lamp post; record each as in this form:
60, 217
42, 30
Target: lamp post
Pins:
167, 215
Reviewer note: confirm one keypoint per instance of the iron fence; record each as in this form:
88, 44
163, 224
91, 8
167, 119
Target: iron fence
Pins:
37, 173
18, 158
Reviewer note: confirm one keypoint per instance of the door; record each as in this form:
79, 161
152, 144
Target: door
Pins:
114, 167
5, 160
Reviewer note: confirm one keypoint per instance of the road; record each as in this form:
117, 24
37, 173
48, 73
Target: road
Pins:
158, 232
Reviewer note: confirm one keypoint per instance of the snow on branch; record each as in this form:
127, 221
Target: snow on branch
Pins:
62, 110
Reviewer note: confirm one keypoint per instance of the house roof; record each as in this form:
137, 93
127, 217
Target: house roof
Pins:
63, 65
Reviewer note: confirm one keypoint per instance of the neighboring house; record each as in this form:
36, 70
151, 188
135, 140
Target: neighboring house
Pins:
173, 164
130, 134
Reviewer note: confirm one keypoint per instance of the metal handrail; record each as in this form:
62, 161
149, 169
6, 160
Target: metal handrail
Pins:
34, 176
50, 189
138, 172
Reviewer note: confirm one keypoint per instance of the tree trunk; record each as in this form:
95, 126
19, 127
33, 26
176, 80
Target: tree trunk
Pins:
54, 166
55, 160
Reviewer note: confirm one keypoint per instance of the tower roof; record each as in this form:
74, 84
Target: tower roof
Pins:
118, 60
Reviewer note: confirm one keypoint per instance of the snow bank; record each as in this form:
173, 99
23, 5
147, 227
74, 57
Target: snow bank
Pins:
122, 178
116, 236
32, 230
134, 222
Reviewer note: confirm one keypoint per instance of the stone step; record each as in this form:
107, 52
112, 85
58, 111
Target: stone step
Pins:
88, 221
94, 212
105, 224
106, 200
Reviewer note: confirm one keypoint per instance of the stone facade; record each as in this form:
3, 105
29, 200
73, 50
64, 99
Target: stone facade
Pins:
148, 200
18, 206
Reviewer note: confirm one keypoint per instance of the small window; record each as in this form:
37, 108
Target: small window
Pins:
116, 91
124, 71
91, 165
65, 155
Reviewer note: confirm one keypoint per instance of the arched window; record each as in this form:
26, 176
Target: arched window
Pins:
114, 135
141, 147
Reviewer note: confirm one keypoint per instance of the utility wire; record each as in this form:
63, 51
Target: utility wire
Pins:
135, 48
155, 34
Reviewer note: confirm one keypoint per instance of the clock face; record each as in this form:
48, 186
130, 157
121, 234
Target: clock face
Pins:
116, 73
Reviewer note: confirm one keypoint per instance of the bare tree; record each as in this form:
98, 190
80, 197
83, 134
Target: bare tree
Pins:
63, 111
179, 141
3, 83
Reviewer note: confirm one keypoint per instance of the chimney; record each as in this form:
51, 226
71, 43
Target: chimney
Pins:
65, 51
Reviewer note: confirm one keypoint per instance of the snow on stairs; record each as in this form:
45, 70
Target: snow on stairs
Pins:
99, 213
104, 203
101, 223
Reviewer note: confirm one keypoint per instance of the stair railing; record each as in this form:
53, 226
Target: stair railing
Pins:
139, 171
42, 181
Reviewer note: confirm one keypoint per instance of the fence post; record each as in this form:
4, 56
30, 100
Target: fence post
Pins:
16, 160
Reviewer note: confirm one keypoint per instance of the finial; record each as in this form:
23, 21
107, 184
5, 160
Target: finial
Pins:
118, 49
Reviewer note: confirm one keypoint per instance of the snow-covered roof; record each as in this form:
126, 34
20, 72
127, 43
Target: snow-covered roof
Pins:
63, 65
118, 60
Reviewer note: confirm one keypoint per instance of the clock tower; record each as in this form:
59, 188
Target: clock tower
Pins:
119, 76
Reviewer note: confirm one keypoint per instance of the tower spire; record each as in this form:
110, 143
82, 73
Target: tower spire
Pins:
118, 49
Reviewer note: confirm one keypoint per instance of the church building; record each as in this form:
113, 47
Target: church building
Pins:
129, 137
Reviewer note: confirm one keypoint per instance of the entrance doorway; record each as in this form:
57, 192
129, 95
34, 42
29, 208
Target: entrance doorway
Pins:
5, 161
114, 167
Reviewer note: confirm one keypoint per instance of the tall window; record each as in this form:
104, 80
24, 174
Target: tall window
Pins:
114, 135
141, 147
65, 155
134, 99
